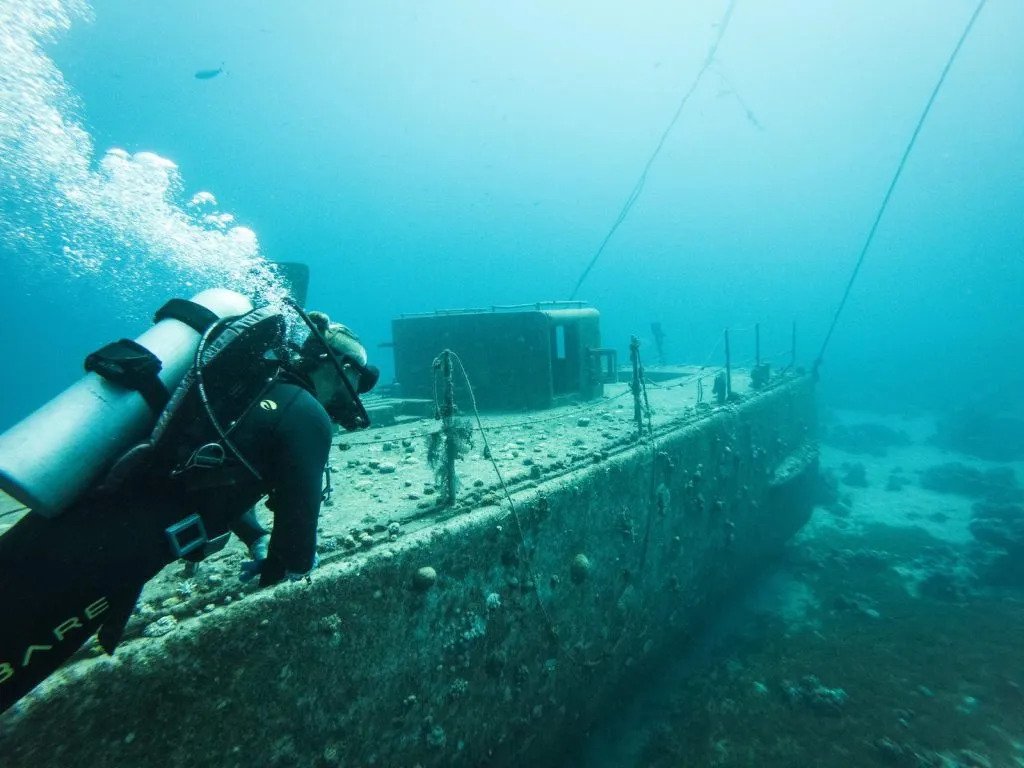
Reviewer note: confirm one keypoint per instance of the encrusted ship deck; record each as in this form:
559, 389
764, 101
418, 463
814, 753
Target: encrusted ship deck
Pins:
437, 634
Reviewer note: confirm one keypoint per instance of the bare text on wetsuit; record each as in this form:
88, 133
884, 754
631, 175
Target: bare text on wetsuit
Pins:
60, 632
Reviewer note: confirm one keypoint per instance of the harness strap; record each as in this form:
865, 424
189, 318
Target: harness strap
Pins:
130, 365
196, 316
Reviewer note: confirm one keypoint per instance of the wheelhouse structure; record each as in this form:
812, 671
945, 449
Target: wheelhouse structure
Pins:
525, 357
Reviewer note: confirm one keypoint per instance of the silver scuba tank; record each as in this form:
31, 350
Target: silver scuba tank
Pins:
55, 454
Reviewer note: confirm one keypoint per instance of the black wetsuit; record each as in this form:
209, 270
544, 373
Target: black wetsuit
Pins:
64, 578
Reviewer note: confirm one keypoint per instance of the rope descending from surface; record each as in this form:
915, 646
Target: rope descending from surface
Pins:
895, 178
639, 186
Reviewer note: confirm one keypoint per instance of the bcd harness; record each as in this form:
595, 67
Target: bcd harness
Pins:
238, 358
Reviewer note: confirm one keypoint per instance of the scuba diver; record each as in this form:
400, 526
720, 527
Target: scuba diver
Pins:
251, 417
659, 341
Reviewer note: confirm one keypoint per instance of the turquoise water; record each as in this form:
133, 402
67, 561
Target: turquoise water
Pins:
469, 155
421, 157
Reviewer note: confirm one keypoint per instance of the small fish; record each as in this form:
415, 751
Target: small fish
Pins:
209, 74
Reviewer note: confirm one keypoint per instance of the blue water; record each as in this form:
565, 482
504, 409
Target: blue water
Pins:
428, 156
462, 155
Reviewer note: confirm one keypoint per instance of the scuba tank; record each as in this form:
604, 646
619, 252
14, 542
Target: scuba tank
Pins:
57, 453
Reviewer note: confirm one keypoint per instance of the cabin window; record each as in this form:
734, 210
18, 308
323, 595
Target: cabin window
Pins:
560, 342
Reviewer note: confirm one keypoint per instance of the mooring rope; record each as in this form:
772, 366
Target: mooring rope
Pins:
639, 186
549, 621
561, 643
895, 178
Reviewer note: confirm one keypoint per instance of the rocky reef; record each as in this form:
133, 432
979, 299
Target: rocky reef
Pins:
992, 484
982, 432
893, 638
999, 530
876, 676
865, 438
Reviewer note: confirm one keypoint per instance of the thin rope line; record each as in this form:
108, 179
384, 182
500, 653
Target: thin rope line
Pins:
639, 186
895, 178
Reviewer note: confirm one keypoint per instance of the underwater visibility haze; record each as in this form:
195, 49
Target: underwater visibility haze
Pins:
723, 159
412, 157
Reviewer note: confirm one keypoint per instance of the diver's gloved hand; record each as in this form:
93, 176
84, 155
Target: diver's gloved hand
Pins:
258, 552
296, 576
250, 570
273, 571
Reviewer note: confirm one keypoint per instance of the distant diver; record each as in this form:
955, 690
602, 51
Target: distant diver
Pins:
250, 418
659, 341
209, 74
